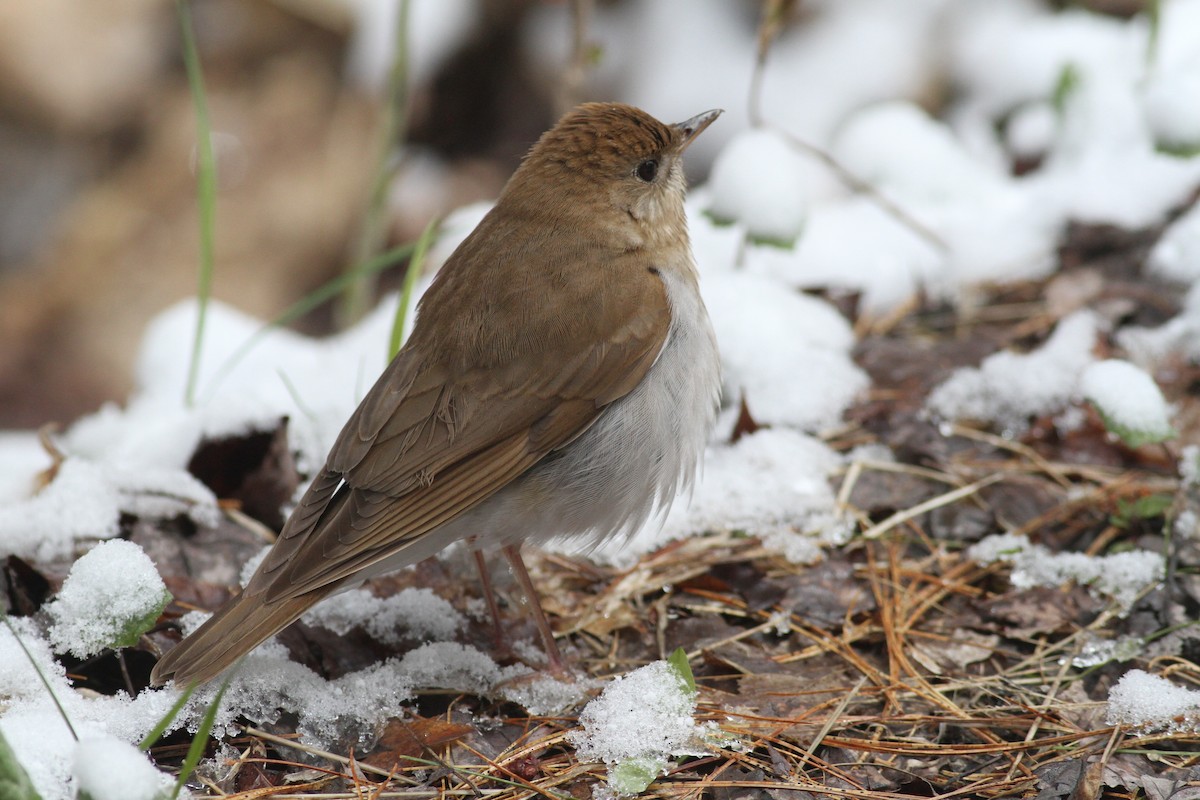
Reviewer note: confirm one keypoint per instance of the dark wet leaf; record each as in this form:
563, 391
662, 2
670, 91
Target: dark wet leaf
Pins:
24, 588
256, 469
1058, 780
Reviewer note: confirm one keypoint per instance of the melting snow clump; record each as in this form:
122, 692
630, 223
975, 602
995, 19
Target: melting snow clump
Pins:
543, 695
109, 769
1152, 703
112, 595
85, 501
637, 723
409, 614
1176, 255
787, 354
1119, 577
760, 181
1129, 400
1007, 387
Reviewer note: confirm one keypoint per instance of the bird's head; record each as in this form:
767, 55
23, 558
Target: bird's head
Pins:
611, 163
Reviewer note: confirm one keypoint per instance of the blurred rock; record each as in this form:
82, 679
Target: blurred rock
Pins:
56, 65
294, 159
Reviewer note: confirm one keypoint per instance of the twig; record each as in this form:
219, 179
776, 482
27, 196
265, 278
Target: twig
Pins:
1022, 450
900, 517
304, 748
570, 89
865, 188
833, 717
774, 14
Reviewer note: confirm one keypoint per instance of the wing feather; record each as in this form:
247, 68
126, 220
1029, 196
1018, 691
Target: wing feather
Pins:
425, 446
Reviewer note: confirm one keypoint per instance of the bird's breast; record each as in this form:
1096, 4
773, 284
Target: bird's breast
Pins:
643, 449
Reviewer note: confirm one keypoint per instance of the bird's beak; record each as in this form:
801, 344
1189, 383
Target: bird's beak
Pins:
691, 128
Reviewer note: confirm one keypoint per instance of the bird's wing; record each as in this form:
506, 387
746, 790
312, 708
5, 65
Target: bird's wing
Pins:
426, 445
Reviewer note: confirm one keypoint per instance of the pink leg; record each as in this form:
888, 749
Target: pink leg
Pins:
513, 554
490, 596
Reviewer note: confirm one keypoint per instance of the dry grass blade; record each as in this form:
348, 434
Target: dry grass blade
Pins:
900, 517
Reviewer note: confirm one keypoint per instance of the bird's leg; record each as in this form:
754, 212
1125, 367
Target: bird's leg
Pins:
490, 596
513, 554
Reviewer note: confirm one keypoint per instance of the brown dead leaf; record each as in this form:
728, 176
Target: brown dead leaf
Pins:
251, 775
206, 555
941, 656
805, 693
255, 468
879, 493
402, 740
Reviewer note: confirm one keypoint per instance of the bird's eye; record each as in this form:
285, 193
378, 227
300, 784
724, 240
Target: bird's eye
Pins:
647, 170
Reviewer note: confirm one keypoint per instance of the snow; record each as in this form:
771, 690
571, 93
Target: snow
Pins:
774, 483
109, 769
1120, 577
1176, 255
85, 499
22, 458
543, 695
409, 614
1129, 400
889, 267
79, 503
1009, 387
643, 717
990, 226
1174, 72
112, 595
760, 180
346, 710
33, 726
1152, 703
1096, 650
18, 672
1031, 129
786, 353
1189, 465
1177, 337
899, 148
435, 28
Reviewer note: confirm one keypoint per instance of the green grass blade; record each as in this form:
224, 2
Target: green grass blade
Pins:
410, 282
14, 780
1154, 18
62, 711
393, 131
156, 733
206, 191
679, 662
196, 750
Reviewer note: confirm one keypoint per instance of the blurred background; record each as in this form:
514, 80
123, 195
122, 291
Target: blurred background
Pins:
98, 216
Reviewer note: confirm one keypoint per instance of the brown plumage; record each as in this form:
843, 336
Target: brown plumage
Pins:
561, 378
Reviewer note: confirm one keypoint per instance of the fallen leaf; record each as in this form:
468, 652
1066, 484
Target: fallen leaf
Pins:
403, 740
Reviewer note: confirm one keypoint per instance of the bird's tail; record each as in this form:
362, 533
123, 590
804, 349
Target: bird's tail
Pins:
237, 628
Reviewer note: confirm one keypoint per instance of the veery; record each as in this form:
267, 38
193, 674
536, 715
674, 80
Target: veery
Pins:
561, 379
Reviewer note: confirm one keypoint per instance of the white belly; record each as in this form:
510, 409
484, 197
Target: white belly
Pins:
626, 467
